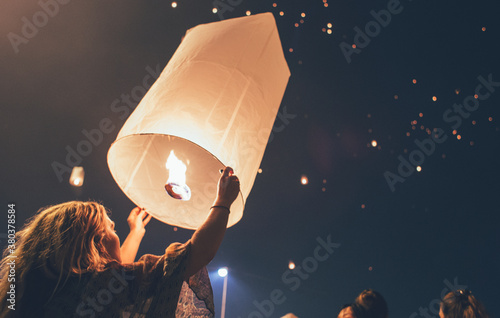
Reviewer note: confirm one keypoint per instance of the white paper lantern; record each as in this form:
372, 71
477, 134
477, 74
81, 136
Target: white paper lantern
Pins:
213, 106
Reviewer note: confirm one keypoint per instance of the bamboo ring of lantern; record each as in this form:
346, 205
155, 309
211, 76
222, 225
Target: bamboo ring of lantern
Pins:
214, 105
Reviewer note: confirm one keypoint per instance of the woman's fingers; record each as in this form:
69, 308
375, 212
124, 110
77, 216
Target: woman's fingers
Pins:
146, 220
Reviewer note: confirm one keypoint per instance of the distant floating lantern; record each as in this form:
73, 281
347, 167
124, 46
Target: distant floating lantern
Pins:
304, 180
77, 176
214, 105
291, 265
374, 143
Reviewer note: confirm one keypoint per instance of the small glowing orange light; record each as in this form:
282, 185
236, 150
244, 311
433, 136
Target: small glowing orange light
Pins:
326, 5
408, 134
296, 25
329, 31
374, 143
396, 96
459, 137
175, 228
354, 46
476, 96
323, 189
329, 25
290, 50
363, 206
421, 115
413, 127
282, 13
248, 12
422, 127
414, 81
301, 21
434, 98
490, 118
483, 29
324, 181
176, 184
260, 170
275, 5
419, 168
457, 91
454, 132
303, 15
304, 180
174, 4
370, 268
473, 122
214, 10
77, 176
291, 265
324, 29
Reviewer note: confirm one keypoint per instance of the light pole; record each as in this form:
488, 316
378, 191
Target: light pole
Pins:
223, 273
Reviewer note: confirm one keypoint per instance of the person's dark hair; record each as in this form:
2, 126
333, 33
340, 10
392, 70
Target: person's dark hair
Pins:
462, 304
373, 304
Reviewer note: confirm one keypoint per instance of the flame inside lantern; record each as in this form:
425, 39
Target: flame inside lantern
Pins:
176, 184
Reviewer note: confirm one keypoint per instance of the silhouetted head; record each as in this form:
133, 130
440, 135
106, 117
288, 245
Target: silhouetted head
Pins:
461, 304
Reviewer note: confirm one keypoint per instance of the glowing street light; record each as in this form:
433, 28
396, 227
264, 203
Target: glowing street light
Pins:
223, 271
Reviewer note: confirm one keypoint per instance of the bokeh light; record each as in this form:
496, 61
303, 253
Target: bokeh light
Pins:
222, 272
304, 180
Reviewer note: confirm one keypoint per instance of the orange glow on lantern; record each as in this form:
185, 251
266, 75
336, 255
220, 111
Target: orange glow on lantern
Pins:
176, 184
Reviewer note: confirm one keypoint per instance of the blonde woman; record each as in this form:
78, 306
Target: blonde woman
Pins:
69, 263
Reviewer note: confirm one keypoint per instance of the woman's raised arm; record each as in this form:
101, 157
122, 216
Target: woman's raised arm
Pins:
208, 237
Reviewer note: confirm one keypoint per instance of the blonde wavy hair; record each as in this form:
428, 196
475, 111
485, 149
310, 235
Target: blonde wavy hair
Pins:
61, 240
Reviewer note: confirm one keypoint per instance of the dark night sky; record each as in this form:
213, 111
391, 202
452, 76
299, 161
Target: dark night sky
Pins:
441, 224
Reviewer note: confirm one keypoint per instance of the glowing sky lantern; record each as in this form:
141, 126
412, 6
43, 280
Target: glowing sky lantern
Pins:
213, 106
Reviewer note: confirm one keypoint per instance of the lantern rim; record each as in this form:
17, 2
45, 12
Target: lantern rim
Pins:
240, 194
